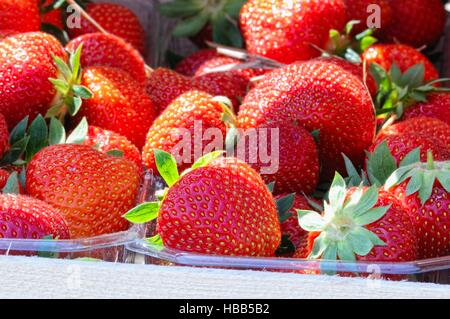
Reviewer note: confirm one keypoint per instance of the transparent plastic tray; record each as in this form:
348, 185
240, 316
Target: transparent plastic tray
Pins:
430, 270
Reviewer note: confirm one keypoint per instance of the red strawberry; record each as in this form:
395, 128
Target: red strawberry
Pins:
53, 17
437, 106
91, 189
195, 112
363, 224
4, 136
402, 145
26, 64
319, 96
419, 23
19, 15
4, 175
427, 126
221, 207
107, 141
295, 166
115, 19
119, 103
108, 50
285, 31
29, 218
402, 55
424, 190
358, 10
292, 230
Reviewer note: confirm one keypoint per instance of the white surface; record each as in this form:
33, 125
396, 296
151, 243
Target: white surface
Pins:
22, 277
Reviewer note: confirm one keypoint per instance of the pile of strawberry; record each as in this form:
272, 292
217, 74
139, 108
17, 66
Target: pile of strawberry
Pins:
363, 124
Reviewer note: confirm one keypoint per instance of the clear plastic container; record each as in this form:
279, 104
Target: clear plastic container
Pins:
430, 270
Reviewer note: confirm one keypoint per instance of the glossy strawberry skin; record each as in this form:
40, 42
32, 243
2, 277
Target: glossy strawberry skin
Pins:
108, 50
23, 217
115, 19
297, 157
285, 32
292, 229
427, 126
19, 15
419, 23
106, 141
357, 10
119, 103
437, 106
182, 113
319, 96
26, 64
92, 190
431, 220
4, 136
402, 145
402, 55
223, 209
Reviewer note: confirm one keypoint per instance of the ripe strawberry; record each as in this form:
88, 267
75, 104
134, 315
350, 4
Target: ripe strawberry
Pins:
284, 31
437, 106
19, 15
106, 141
363, 224
427, 126
290, 228
90, 189
402, 145
119, 103
319, 96
4, 175
4, 136
29, 218
26, 64
108, 50
221, 206
50, 15
419, 23
115, 19
297, 161
402, 55
358, 10
195, 112
424, 190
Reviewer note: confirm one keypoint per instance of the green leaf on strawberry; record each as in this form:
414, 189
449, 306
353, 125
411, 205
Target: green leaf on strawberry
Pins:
12, 184
143, 213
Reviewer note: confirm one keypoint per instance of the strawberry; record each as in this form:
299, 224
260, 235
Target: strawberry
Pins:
108, 141
4, 176
26, 64
360, 224
285, 31
424, 190
4, 136
297, 168
29, 218
437, 106
115, 19
206, 20
319, 96
290, 229
419, 23
427, 126
50, 15
221, 206
108, 50
118, 103
90, 189
19, 15
359, 10
401, 145
194, 111
404, 56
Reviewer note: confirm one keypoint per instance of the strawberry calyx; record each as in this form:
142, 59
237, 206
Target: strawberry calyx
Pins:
397, 90
228, 116
343, 234
421, 177
70, 92
196, 15
12, 185
346, 45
